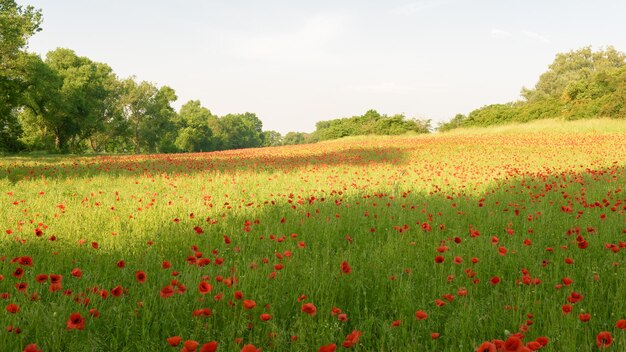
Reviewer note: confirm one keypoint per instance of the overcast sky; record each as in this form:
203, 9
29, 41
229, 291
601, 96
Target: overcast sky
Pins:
294, 63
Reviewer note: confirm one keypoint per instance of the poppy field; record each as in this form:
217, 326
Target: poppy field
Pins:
510, 239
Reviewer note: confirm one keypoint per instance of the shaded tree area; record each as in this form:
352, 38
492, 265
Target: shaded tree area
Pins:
579, 84
17, 24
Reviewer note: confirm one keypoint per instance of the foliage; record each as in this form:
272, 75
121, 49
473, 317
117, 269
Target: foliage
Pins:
272, 138
237, 131
579, 84
371, 123
293, 138
194, 133
17, 24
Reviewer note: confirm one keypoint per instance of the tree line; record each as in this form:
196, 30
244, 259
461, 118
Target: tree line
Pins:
69, 103
579, 84
66, 103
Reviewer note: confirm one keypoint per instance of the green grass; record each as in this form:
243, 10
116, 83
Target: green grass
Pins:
364, 188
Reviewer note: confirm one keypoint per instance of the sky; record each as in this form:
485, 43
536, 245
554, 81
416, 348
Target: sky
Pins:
294, 63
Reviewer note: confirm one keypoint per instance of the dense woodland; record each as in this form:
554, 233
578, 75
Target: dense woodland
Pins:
66, 103
579, 84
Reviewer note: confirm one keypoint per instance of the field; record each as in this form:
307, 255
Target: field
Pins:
417, 243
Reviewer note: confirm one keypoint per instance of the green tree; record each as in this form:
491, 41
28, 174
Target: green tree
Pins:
293, 138
237, 131
17, 25
571, 67
579, 84
272, 138
194, 133
69, 97
149, 115
372, 123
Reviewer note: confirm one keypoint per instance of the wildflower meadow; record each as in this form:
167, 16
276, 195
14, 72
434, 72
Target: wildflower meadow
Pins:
501, 239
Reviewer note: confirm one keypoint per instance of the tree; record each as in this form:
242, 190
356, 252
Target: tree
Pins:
237, 131
370, 123
292, 138
69, 95
272, 138
17, 24
578, 84
571, 67
194, 133
150, 116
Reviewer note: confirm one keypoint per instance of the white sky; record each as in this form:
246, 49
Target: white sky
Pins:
294, 63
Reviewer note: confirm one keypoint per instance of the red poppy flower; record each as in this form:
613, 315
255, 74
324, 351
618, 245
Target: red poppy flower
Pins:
328, 348
434, 335
574, 297
421, 315
542, 340
249, 348
76, 321
495, 280
209, 347
117, 291
204, 287
13, 308
604, 339
94, 313
32, 348
513, 344
486, 347
439, 259
351, 339
25, 261
190, 345
396, 323
621, 324
18, 273
202, 312
141, 276
345, 268
76, 272
55, 279
533, 345
249, 304
566, 308
584, 317
167, 291
41, 278
265, 317
309, 309
174, 340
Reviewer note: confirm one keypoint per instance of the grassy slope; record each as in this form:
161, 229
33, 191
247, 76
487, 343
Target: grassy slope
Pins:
498, 181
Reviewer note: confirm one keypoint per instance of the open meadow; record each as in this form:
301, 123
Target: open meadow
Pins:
442, 242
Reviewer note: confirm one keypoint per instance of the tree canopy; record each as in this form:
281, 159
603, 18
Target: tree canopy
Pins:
17, 24
370, 123
579, 84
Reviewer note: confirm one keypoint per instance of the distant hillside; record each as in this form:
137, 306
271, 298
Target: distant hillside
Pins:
579, 84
